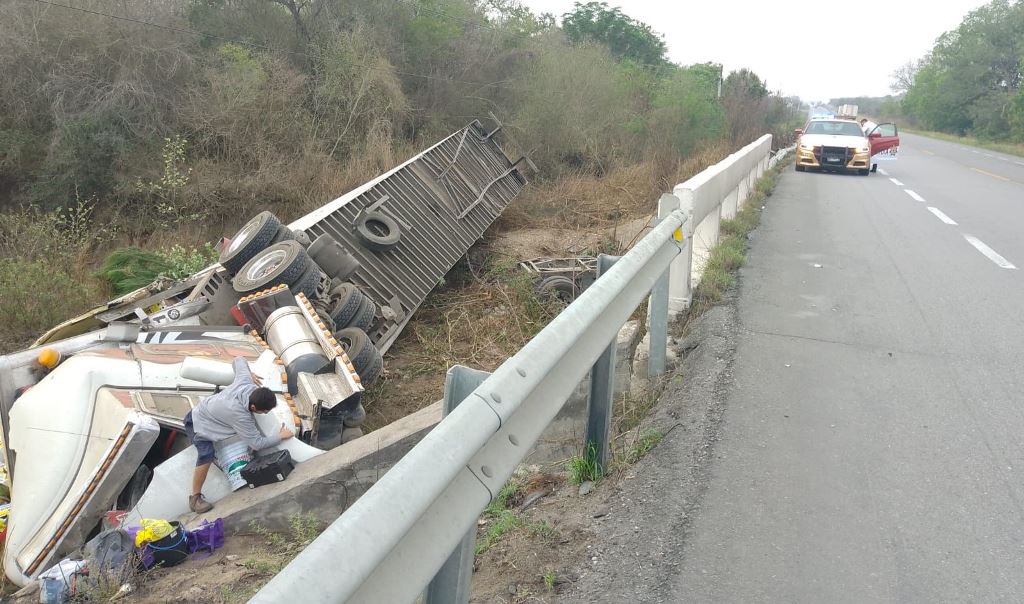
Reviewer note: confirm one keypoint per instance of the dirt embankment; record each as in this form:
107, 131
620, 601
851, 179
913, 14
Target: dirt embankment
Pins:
568, 546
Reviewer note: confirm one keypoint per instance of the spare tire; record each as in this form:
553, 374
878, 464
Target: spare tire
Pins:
334, 259
350, 300
252, 238
284, 262
378, 231
360, 350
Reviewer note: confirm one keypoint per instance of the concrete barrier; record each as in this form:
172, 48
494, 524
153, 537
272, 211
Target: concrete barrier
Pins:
715, 193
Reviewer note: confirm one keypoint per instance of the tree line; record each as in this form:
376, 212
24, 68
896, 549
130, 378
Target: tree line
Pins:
161, 124
970, 82
170, 113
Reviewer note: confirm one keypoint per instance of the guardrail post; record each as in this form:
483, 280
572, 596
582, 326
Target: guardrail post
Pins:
680, 285
451, 583
657, 309
602, 390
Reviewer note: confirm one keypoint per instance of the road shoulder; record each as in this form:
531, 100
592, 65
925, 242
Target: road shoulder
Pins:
640, 532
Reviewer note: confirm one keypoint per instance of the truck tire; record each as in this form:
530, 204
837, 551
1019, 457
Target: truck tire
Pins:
252, 238
363, 318
283, 234
356, 418
377, 231
284, 262
360, 350
334, 259
302, 237
799, 168
558, 286
350, 434
349, 301
369, 374
308, 282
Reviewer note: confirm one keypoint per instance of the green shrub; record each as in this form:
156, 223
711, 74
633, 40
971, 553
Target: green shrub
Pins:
184, 262
585, 467
129, 268
36, 296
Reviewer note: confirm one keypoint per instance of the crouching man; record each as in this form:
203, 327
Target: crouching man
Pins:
226, 414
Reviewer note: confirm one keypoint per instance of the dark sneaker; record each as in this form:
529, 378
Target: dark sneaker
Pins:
197, 504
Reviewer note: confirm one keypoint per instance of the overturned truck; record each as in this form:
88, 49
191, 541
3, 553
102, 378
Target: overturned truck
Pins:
312, 306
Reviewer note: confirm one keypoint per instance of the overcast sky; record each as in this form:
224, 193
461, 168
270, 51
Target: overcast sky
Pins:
810, 49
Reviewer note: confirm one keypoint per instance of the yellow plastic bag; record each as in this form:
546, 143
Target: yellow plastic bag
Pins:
152, 530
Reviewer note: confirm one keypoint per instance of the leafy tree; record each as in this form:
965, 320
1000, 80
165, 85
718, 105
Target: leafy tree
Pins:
972, 77
745, 84
685, 111
624, 36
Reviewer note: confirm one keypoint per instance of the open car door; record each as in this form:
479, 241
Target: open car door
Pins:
885, 141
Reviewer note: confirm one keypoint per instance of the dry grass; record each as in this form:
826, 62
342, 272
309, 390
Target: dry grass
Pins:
1009, 148
584, 202
482, 316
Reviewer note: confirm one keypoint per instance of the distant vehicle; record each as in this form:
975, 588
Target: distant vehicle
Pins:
847, 112
820, 112
841, 145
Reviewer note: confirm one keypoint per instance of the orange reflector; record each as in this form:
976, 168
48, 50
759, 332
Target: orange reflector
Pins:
48, 358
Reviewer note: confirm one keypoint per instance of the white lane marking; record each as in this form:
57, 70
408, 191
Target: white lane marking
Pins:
1001, 158
883, 172
988, 155
896, 182
941, 216
913, 195
975, 151
989, 252
1019, 163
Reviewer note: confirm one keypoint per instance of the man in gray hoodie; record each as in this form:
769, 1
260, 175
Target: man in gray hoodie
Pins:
226, 414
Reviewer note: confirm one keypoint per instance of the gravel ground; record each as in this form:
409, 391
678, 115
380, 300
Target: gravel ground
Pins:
640, 540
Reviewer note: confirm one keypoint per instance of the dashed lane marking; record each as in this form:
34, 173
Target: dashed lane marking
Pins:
913, 195
989, 252
883, 172
896, 182
941, 216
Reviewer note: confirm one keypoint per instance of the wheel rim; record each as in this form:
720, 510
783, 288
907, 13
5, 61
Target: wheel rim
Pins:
266, 265
243, 235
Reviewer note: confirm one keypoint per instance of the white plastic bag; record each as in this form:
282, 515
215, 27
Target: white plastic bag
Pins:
58, 583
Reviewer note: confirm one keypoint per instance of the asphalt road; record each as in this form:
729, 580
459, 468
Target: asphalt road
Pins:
872, 445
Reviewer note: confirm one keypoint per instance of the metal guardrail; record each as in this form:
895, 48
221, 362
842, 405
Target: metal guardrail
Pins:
417, 522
